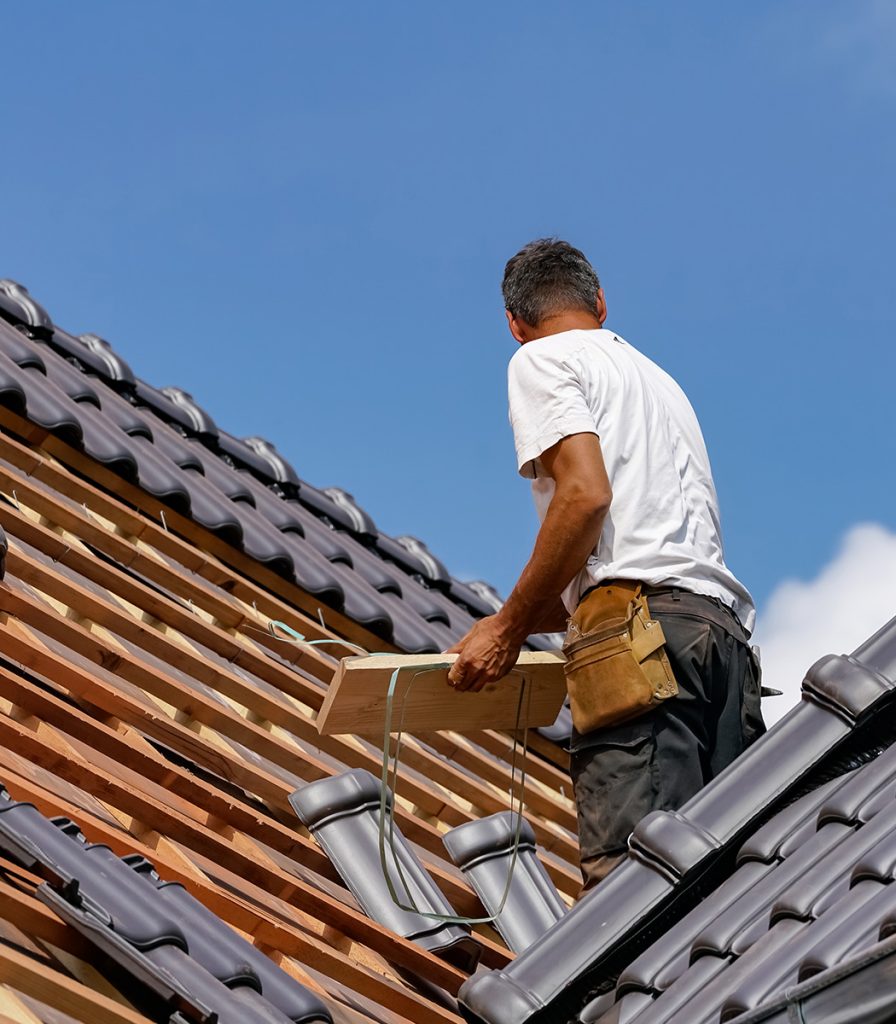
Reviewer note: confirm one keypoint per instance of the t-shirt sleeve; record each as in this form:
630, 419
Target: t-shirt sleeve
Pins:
547, 403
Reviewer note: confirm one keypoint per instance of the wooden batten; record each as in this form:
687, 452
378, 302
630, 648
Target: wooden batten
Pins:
144, 696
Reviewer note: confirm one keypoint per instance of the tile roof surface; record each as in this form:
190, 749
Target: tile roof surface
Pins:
177, 842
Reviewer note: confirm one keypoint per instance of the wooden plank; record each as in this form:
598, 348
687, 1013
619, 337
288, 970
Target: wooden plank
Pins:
150, 765
211, 807
62, 993
357, 698
37, 921
551, 803
13, 1010
185, 823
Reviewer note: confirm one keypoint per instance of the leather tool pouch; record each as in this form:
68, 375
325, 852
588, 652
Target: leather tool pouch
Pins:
617, 667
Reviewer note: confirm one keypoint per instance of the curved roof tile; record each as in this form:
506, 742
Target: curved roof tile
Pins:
17, 305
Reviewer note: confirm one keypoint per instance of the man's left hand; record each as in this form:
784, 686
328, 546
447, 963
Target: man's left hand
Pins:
487, 653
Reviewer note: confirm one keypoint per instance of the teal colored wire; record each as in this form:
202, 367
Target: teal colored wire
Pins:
387, 813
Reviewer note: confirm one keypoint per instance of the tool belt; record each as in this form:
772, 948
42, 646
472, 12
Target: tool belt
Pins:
616, 663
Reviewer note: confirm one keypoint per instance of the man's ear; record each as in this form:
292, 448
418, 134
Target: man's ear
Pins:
515, 328
601, 306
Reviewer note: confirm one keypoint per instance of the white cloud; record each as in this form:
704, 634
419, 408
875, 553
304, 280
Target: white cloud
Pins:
850, 598
854, 39
861, 39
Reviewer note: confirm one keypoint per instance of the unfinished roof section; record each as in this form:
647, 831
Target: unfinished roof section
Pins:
145, 697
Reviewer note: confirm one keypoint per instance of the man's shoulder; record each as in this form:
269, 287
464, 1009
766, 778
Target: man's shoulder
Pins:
557, 348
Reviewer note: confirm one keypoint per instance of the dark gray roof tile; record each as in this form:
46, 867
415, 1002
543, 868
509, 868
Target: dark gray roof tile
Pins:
252, 457
484, 851
849, 921
160, 477
133, 916
604, 1010
362, 603
267, 545
241, 1004
183, 451
93, 354
412, 633
103, 441
222, 952
128, 417
12, 392
667, 958
210, 509
878, 862
200, 422
179, 412
821, 862
41, 402
708, 994
477, 595
278, 468
21, 350
281, 514
861, 990
850, 802
361, 520
322, 505
343, 815
101, 359
854, 927
71, 380
792, 826
17, 306
224, 478
806, 888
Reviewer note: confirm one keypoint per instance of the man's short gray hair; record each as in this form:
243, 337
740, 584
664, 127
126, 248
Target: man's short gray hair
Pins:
546, 277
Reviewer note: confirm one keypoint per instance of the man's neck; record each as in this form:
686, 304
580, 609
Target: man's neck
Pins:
574, 320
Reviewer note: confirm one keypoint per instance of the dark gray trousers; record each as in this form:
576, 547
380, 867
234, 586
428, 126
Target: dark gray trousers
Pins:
660, 760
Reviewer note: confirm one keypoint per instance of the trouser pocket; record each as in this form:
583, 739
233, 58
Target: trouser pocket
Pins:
615, 780
752, 723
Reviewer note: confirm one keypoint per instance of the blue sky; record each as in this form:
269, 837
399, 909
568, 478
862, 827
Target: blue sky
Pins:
300, 213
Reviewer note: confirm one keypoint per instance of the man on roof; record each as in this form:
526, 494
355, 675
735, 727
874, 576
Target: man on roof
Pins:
664, 687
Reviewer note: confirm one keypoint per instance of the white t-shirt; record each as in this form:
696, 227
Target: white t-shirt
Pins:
663, 523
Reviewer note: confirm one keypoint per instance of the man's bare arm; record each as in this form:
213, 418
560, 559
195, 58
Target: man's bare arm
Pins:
567, 537
554, 620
